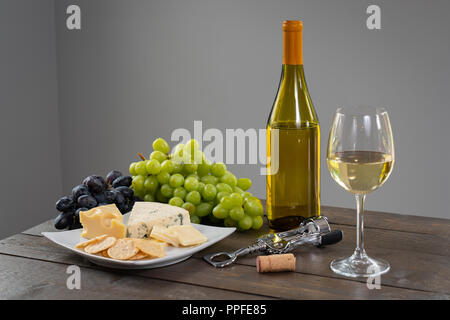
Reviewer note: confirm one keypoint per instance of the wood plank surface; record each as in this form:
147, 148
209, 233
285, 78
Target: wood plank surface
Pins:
237, 278
22, 278
417, 248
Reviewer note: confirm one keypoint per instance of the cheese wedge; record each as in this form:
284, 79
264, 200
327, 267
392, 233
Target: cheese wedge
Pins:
187, 235
103, 220
145, 215
163, 234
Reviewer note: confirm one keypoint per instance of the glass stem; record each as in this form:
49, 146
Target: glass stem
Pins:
359, 251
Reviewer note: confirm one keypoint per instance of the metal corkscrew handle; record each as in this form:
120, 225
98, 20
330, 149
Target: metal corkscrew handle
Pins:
232, 256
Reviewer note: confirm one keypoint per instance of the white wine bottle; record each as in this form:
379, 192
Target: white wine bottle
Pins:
293, 142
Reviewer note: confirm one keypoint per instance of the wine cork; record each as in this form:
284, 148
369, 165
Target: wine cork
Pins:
275, 263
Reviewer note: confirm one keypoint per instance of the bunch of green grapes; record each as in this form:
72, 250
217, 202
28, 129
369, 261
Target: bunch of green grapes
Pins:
185, 178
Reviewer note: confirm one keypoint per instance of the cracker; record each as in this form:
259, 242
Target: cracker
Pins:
105, 254
90, 241
187, 235
99, 246
123, 249
138, 256
152, 248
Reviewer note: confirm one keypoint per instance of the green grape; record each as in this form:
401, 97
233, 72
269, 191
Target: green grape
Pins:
245, 223
213, 220
176, 201
153, 167
191, 184
237, 213
177, 167
160, 197
180, 192
151, 184
195, 219
149, 197
224, 187
140, 168
189, 207
190, 167
218, 169
158, 155
222, 194
227, 202
161, 145
194, 175
238, 190
140, 194
203, 169
203, 209
201, 187
176, 180
191, 146
229, 179
257, 222
209, 192
166, 191
209, 180
138, 183
253, 207
132, 169
194, 197
168, 166
228, 222
220, 212
163, 177
237, 199
244, 183
246, 195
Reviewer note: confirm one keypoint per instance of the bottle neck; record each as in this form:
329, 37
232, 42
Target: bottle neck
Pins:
292, 48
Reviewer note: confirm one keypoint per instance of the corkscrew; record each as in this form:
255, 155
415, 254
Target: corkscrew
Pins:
315, 231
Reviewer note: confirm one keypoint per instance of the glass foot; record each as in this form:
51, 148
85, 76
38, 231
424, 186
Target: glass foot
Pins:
359, 265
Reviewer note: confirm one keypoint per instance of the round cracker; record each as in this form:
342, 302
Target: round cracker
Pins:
100, 245
123, 249
84, 244
138, 256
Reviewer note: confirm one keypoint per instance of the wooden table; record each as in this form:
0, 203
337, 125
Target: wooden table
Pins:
418, 249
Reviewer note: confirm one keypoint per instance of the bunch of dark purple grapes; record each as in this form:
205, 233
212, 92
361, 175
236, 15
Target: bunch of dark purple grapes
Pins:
95, 191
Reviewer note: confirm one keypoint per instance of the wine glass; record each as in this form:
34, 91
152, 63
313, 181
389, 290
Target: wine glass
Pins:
360, 157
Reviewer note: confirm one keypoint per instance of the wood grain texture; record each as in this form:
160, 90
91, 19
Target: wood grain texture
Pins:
241, 278
417, 248
22, 278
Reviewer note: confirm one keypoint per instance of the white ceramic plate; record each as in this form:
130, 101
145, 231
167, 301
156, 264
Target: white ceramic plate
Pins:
68, 239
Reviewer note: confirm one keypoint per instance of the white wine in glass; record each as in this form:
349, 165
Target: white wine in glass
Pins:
360, 158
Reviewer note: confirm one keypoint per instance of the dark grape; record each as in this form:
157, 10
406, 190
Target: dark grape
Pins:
127, 192
123, 207
77, 212
78, 191
119, 198
110, 196
122, 181
65, 204
100, 197
137, 199
95, 184
64, 220
113, 175
87, 201
102, 180
102, 204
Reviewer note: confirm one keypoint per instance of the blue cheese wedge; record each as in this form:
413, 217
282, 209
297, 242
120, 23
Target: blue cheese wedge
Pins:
146, 215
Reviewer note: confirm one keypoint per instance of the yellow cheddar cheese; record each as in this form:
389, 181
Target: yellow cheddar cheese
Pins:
102, 220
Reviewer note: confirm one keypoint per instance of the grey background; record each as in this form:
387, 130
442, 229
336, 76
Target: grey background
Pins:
140, 69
